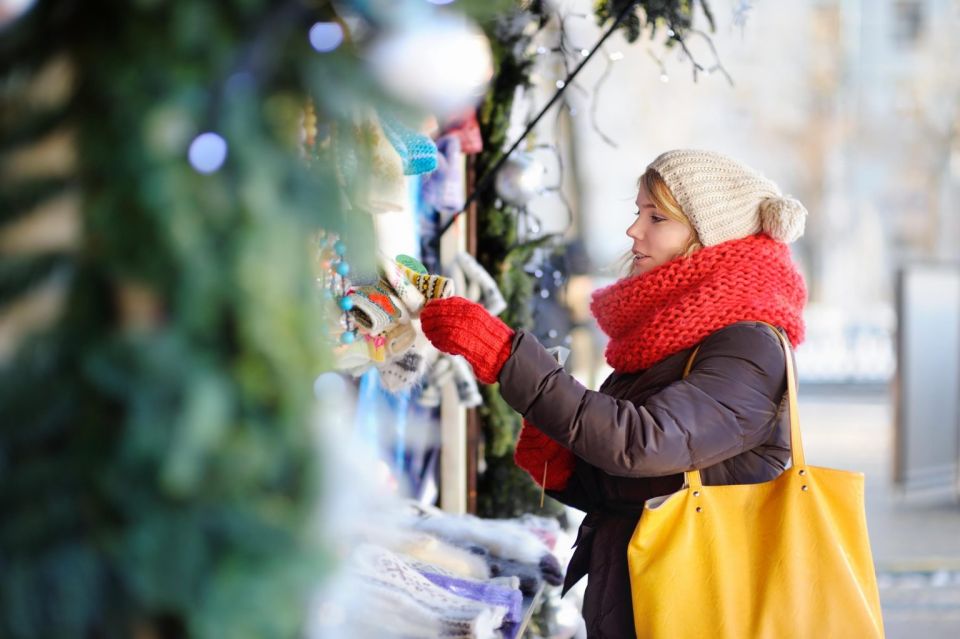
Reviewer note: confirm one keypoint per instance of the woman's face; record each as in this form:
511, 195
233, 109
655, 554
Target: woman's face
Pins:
657, 239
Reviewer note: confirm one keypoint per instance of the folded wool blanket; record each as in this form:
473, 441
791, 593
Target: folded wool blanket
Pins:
409, 604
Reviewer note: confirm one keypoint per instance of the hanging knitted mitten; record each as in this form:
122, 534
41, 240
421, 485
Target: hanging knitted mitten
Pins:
482, 288
548, 462
466, 383
417, 151
461, 327
439, 373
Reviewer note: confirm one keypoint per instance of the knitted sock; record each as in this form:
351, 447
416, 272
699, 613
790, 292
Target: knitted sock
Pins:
376, 307
417, 151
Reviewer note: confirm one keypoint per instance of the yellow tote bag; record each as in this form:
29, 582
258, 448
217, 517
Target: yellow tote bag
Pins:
785, 559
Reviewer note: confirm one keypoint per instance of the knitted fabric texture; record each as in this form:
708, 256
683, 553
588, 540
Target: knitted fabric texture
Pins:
541, 456
460, 327
376, 307
430, 286
726, 200
482, 591
417, 151
676, 305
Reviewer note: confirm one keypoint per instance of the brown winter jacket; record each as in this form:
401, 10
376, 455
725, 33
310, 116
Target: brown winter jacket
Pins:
635, 436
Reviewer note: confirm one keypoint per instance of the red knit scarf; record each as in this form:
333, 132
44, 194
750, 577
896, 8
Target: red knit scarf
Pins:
676, 305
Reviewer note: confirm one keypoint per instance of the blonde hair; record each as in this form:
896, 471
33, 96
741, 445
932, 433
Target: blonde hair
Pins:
663, 199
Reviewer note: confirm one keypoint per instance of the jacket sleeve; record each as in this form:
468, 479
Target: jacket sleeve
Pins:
726, 405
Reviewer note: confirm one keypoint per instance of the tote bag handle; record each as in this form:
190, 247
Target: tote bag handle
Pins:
693, 478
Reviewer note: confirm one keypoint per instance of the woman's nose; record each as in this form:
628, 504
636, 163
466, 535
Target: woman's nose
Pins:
635, 230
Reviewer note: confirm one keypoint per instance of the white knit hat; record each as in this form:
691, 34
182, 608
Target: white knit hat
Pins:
727, 200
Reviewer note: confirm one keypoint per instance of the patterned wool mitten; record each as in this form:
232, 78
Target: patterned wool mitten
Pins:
547, 461
417, 151
461, 327
396, 276
376, 307
430, 286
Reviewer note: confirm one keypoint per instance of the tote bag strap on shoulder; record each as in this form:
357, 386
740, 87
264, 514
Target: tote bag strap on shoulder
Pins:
693, 478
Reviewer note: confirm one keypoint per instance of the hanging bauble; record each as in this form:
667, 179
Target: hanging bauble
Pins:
520, 179
441, 63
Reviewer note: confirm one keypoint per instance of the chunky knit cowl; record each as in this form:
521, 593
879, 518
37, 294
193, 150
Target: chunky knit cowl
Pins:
651, 316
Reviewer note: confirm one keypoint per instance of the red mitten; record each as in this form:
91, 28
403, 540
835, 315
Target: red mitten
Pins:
460, 327
540, 455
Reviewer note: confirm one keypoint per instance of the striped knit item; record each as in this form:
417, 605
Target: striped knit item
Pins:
676, 305
433, 287
376, 307
726, 200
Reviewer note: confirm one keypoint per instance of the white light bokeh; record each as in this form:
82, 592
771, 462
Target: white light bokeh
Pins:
326, 36
208, 152
442, 65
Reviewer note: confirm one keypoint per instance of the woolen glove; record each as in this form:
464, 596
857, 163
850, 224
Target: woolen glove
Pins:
460, 327
547, 461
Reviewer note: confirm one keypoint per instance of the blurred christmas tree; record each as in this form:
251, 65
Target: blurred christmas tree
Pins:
159, 322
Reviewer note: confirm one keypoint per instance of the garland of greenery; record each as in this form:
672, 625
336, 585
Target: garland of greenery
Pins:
504, 490
158, 476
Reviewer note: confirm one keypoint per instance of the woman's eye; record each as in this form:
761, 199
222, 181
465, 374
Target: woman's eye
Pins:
657, 220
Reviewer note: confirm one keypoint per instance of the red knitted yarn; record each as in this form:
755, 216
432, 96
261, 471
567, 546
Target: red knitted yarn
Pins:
547, 461
458, 326
676, 305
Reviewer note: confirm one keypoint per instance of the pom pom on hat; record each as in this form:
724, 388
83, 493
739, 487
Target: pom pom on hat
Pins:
783, 218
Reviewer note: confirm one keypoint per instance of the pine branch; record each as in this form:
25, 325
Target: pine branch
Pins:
20, 128
20, 274
15, 202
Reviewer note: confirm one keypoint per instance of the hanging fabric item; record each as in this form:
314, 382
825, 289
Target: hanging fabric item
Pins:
367, 166
418, 153
478, 285
445, 189
467, 130
444, 369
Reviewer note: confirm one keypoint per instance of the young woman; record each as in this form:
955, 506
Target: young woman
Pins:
710, 263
